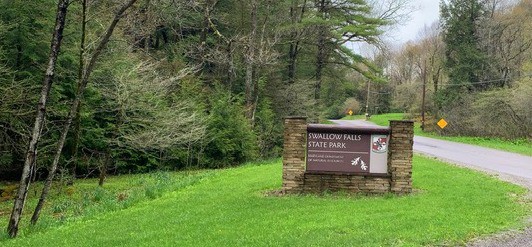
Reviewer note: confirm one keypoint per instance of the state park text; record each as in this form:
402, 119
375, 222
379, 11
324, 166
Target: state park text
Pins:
318, 158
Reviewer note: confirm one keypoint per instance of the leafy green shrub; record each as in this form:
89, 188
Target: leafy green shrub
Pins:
503, 113
61, 207
332, 112
99, 194
8, 192
349, 104
232, 140
269, 131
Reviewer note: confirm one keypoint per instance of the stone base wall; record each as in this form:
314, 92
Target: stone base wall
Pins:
317, 183
294, 154
296, 179
400, 154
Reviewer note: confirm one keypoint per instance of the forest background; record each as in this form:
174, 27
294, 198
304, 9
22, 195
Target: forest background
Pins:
185, 84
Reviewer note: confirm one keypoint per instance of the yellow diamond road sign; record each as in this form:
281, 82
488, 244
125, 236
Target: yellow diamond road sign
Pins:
350, 112
442, 123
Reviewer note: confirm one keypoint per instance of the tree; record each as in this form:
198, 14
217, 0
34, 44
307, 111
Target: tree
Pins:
465, 60
297, 34
77, 101
25, 46
16, 104
337, 24
31, 154
503, 39
81, 63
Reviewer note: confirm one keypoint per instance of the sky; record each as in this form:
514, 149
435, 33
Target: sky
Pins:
425, 12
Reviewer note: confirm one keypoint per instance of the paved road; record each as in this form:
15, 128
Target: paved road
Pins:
490, 160
513, 167
360, 123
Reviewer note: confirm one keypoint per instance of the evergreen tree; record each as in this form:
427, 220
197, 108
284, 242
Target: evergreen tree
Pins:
338, 23
461, 20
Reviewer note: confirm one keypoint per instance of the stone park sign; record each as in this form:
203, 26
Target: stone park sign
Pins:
371, 160
332, 148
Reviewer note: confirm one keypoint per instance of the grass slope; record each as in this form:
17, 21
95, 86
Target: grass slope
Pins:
230, 209
516, 146
85, 199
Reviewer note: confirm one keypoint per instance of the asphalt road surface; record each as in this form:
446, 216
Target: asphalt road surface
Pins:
512, 167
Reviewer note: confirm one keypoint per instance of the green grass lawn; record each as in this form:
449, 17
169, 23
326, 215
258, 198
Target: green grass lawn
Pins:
517, 146
384, 119
354, 117
230, 208
85, 199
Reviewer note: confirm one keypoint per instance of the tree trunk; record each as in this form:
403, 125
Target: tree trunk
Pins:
321, 55
53, 168
108, 157
320, 64
203, 36
294, 40
424, 76
292, 51
231, 67
206, 25
256, 99
292, 56
29, 163
77, 120
75, 106
250, 61
367, 100
103, 171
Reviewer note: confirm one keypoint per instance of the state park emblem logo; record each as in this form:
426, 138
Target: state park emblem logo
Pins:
379, 144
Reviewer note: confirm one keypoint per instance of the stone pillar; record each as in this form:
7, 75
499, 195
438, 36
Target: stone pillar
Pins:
400, 156
295, 137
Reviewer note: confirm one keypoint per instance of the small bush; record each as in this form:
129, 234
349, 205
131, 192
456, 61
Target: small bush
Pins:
350, 104
122, 196
8, 192
60, 207
70, 191
99, 194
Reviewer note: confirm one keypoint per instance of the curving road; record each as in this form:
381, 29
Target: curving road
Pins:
512, 167
486, 159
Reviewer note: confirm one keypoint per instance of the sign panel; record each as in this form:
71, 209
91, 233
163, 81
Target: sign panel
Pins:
347, 149
442, 123
338, 152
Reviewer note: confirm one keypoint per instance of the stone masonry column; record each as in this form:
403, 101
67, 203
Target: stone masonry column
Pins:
295, 136
400, 156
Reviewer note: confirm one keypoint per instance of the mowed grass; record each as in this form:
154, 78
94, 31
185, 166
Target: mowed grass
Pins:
230, 208
521, 146
384, 119
354, 117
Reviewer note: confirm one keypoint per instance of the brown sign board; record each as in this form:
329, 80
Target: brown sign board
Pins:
346, 149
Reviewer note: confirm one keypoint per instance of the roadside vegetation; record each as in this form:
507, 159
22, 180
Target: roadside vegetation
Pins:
520, 146
232, 207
